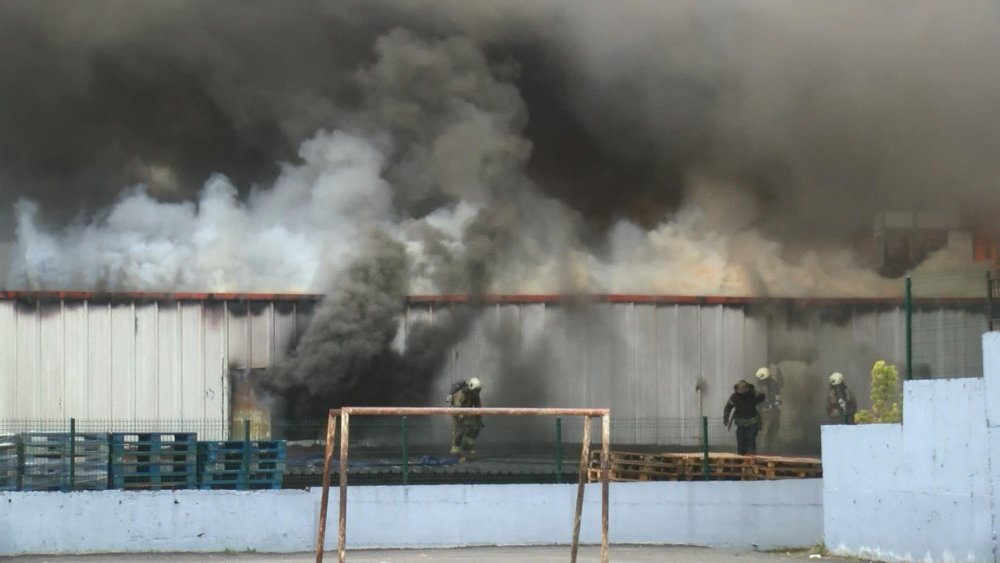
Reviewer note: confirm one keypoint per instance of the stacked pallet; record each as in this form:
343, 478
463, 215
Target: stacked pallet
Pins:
243, 465
632, 466
8, 462
154, 461
63, 461
780, 467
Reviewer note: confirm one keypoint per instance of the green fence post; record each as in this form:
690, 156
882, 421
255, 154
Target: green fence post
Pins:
72, 454
558, 449
20, 465
244, 480
909, 327
704, 447
406, 453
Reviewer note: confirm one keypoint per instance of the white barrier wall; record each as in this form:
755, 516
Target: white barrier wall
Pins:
722, 514
924, 490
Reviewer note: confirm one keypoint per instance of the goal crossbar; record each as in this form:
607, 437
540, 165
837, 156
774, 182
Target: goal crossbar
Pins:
344, 416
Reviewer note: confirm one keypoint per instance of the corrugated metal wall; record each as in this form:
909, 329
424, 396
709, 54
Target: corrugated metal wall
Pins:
135, 359
645, 359
169, 359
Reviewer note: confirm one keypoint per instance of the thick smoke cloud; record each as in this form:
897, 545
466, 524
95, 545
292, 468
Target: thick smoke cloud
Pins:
580, 139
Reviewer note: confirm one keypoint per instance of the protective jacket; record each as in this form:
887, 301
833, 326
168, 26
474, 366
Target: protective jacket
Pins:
743, 406
841, 404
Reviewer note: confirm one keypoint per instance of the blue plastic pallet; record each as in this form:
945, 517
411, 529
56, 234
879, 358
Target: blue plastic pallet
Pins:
8, 462
154, 461
257, 464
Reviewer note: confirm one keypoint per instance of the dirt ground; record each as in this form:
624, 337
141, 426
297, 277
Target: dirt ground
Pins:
549, 554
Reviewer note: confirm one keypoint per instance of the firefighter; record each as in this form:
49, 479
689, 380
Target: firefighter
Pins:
841, 405
770, 411
744, 401
465, 428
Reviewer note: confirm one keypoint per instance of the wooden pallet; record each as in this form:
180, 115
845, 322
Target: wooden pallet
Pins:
779, 467
634, 466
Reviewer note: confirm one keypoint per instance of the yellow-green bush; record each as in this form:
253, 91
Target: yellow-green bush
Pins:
886, 402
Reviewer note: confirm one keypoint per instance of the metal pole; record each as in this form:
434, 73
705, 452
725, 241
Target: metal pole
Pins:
584, 460
406, 454
558, 450
989, 301
342, 527
72, 454
605, 487
331, 425
704, 447
909, 328
244, 480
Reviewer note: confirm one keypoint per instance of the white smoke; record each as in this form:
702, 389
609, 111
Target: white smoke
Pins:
277, 240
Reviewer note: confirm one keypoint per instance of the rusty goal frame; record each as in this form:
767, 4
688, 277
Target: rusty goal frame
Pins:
344, 416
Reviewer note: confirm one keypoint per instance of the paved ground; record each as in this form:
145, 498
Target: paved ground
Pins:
555, 554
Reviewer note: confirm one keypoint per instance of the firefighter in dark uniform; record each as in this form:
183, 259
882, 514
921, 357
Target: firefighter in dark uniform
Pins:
770, 411
841, 404
465, 428
742, 407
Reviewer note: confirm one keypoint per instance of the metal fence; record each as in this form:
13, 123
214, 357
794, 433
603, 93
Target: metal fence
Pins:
946, 315
416, 450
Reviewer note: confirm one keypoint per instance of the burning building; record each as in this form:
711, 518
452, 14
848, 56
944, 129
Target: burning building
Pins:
386, 149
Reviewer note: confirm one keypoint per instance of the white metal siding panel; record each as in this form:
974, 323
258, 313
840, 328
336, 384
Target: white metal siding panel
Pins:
99, 360
169, 398
123, 356
600, 353
285, 330
648, 378
27, 352
51, 400
215, 371
622, 375
145, 377
238, 334
75, 380
191, 380
669, 361
8, 361
261, 334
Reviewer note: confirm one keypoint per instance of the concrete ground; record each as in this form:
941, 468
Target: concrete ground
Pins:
552, 554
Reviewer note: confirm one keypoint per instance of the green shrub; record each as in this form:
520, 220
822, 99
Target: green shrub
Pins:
885, 398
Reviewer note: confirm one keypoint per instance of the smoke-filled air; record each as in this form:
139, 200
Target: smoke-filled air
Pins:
402, 147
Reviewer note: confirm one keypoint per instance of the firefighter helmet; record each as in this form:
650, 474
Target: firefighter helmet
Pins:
763, 373
474, 384
836, 378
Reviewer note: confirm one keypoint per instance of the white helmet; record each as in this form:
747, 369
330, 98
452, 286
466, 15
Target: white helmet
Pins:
836, 378
474, 384
762, 374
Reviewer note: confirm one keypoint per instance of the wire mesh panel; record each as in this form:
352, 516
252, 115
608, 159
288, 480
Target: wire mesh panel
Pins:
948, 313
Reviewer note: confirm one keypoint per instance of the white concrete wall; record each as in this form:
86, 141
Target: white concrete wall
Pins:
731, 514
924, 490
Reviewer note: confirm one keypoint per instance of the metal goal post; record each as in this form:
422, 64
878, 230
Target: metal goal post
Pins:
344, 415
